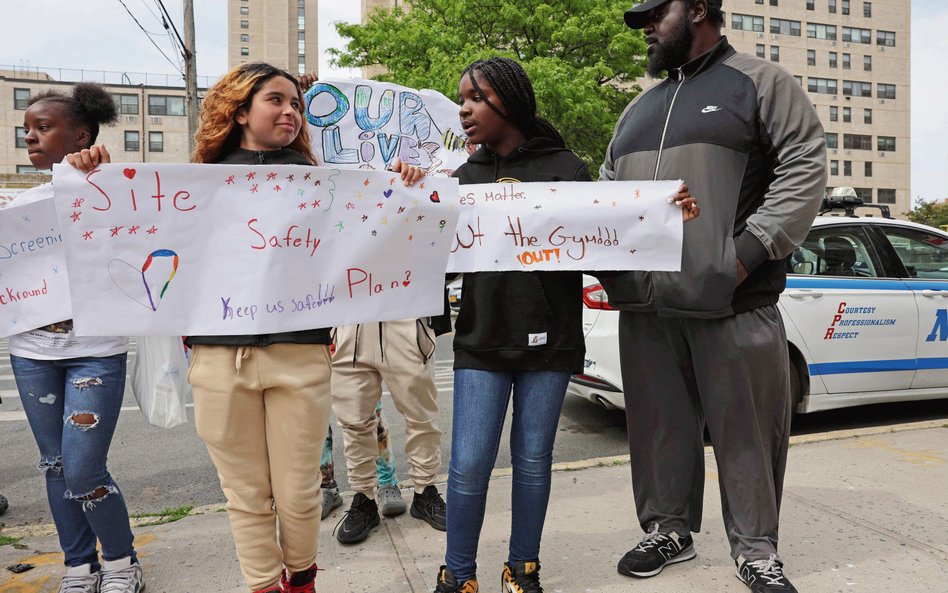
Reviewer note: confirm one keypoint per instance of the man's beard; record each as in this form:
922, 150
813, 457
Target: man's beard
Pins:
674, 53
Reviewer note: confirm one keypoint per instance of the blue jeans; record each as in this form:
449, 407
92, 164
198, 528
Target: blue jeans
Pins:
480, 408
73, 406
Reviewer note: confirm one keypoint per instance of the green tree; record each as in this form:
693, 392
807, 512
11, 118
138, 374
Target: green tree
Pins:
931, 213
581, 57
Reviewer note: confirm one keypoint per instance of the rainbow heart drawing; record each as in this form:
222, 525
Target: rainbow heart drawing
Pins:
146, 285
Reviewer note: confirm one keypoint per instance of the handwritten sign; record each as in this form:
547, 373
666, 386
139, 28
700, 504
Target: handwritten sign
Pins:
367, 124
616, 225
233, 249
34, 290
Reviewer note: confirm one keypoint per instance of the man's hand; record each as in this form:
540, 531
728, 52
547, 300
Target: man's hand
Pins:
741, 272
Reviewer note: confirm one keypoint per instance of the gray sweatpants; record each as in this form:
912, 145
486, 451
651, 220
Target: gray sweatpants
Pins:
731, 374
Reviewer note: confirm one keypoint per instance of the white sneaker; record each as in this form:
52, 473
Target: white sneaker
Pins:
122, 576
80, 579
390, 501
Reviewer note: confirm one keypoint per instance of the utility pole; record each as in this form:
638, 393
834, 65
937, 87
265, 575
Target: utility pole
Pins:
190, 73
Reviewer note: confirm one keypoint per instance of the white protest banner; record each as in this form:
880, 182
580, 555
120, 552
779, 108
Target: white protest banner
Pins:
34, 290
238, 249
367, 124
615, 225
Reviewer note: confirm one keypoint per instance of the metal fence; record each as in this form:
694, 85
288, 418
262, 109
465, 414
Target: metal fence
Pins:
102, 76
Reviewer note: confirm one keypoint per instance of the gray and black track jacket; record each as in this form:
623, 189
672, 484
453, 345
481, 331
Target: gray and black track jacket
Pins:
745, 138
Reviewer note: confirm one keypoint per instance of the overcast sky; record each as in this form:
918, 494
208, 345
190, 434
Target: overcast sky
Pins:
100, 35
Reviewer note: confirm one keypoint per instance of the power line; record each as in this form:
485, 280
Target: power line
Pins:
170, 20
147, 34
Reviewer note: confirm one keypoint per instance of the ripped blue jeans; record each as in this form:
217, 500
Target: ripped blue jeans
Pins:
73, 406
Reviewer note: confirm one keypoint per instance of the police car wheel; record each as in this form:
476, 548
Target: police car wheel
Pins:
796, 388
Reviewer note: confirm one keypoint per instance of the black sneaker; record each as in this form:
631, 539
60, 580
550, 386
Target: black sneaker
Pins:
522, 577
655, 552
429, 507
448, 583
358, 521
764, 576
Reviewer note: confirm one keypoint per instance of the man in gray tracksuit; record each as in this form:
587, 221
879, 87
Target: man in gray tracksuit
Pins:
707, 345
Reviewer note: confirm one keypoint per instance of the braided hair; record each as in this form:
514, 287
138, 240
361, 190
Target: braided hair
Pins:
511, 83
89, 105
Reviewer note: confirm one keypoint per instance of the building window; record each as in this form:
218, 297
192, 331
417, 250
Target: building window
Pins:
886, 143
785, 27
847, 168
847, 62
126, 104
832, 6
867, 116
19, 134
867, 63
301, 42
857, 35
132, 139
832, 140
156, 141
774, 53
886, 196
868, 171
301, 64
867, 9
811, 57
773, 2
832, 59
834, 167
834, 113
825, 86
301, 18
758, 1
855, 88
885, 38
245, 51
21, 98
165, 105
244, 10
857, 142
244, 24
885, 91
821, 31
760, 50
811, 4
244, 38
26, 169
746, 22
847, 115
845, 6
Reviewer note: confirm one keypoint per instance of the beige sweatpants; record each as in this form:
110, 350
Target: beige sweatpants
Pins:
263, 414
402, 354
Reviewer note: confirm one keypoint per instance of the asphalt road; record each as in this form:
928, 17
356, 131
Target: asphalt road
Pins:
160, 469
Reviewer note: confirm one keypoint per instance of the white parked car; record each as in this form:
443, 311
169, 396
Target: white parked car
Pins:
866, 313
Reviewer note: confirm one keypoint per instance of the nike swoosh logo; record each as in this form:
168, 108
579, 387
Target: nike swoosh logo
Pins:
710, 109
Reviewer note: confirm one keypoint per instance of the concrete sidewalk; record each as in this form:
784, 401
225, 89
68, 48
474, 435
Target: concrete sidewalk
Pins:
865, 511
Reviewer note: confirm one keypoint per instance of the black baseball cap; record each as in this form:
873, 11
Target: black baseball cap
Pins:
637, 16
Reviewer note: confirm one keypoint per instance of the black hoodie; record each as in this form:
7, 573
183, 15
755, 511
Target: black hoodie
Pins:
502, 313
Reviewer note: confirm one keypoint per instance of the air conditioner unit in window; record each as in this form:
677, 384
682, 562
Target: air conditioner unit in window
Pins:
881, 101
131, 119
155, 120
774, 37
760, 36
882, 153
834, 151
832, 43
834, 97
881, 47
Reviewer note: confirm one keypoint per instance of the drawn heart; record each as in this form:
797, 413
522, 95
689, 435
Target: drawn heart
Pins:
405, 283
435, 198
130, 173
147, 285
387, 193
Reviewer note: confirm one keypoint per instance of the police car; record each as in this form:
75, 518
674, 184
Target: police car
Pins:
865, 308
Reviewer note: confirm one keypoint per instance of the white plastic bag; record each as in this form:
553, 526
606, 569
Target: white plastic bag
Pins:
160, 380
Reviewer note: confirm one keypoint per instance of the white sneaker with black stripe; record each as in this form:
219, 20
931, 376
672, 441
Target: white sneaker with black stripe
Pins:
121, 576
764, 576
656, 551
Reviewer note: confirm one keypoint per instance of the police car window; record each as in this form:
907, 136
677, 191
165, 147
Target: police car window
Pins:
834, 251
924, 254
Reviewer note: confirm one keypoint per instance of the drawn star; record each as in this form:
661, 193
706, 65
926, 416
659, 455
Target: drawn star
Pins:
391, 181
25, 218
78, 203
316, 203
375, 233
595, 201
271, 176
87, 235
75, 216
55, 270
251, 175
302, 206
307, 176
385, 221
414, 203
411, 237
638, 194
229, 180
401, 209
350, 206
380, 204
318, 182
613, 204
300, 192
496, 261
432, 243
152, 230
133, 230
253, 189
366, 182
632, 250
420, 217
290, 178
642, 218
340, 226
422, 186
537, 207
365, 217
115, 230
277, 188
359, 195
552, 190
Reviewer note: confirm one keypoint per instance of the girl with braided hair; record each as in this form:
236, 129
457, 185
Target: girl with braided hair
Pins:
519, 337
